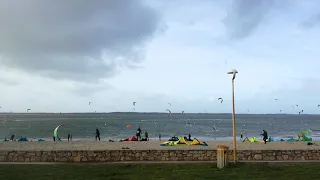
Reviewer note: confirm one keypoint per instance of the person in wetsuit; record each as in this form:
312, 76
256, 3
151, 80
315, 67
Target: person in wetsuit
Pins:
147, 136
189, 136
97, 134
159, 136
138, 134
12, 137
265, 136
69, 137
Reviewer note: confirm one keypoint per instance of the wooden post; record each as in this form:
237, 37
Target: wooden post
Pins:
222, 156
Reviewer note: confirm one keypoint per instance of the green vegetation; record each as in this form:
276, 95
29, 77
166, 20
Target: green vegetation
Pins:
160, 172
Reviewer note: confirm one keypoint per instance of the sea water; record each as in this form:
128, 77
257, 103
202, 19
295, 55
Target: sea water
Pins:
114, 125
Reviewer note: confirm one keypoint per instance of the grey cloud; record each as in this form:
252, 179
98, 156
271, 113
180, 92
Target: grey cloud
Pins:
8, 82
245, 15
66, 39
311, 22
89, 89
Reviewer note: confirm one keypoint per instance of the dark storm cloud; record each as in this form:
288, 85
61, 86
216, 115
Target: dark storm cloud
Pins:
245, 15
65, 39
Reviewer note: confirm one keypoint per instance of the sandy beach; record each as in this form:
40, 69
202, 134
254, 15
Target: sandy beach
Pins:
150, 145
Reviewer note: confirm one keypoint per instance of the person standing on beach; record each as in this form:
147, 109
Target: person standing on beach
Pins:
189, 136
97, 134
138, 134
68, 137
147, 136
265, 136
12, 137
159, 136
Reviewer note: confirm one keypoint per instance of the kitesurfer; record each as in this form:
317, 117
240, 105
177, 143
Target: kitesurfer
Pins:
265, 136
214, 128
97, 134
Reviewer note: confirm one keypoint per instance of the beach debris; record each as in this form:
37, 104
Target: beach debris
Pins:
221, 100
134, 103
169, 112
90, 103
311, 144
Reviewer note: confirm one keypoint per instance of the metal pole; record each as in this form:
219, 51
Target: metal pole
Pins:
234, 126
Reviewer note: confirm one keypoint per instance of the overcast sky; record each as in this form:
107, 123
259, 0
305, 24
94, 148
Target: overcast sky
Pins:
57, 55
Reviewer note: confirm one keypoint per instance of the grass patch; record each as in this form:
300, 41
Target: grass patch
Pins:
160, 172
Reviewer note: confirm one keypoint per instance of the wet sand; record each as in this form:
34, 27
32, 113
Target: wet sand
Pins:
147, 145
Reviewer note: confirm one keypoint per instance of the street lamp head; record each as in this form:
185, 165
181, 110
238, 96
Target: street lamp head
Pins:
233, 71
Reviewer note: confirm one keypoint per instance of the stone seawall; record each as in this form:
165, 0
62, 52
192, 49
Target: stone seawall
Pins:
154, 155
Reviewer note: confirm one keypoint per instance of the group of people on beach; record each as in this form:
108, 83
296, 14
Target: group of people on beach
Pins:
146, 138
264, 135
139, 133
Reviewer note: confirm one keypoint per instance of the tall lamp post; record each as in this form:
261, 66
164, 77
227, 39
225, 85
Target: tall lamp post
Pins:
234, 72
